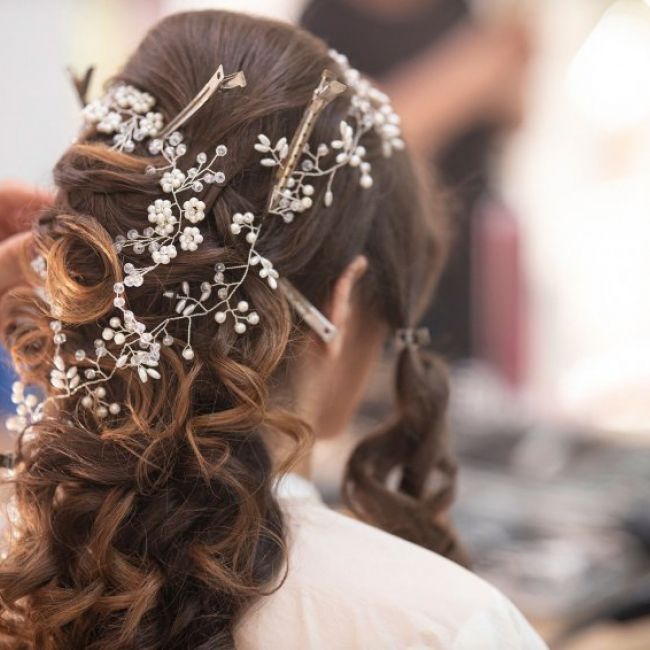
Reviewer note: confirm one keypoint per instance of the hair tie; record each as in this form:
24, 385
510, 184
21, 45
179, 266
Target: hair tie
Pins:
413, 337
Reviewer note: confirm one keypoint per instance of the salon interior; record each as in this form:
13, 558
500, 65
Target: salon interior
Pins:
543, 312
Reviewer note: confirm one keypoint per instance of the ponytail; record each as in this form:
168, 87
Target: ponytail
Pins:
401, 478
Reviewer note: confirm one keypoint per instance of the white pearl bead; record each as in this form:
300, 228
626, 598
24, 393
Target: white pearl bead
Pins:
240, 328
188, 354
253, 318
119, 338
366, 181
220, 316
242, 306
108, 334
115, 321
87, 401
114, 408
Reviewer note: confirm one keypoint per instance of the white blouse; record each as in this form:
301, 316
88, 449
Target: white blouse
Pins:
351, 586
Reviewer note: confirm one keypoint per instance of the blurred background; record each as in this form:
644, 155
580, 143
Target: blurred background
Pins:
534, 117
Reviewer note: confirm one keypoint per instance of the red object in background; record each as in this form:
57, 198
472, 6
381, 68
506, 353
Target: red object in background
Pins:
498, 292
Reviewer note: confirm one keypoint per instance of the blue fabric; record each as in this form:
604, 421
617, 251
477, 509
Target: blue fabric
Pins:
7, 377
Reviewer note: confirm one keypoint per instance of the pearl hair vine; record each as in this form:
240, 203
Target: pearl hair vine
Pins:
126, 112
370, 109
173, 228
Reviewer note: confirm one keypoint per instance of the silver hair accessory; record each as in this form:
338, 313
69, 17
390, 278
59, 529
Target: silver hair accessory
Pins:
173, 228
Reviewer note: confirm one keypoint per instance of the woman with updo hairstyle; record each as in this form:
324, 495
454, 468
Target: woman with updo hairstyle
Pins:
170, 507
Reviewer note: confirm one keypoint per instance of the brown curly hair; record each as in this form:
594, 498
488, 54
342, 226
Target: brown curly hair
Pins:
158, 527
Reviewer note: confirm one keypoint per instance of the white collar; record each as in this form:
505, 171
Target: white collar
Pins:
294, 486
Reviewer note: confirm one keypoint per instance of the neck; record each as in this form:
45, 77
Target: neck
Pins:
282, 448
303, 466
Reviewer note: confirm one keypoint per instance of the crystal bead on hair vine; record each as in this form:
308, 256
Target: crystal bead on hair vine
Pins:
173, 228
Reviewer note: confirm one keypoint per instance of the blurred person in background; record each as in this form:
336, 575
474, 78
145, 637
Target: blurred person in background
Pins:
18, 204
458, 84
149, 522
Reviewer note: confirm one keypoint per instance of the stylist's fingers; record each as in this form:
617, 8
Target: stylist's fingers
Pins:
12, 260
500, 58
19, 206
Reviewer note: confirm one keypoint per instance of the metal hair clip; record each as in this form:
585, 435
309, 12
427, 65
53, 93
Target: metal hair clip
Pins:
318, 322
216, 81
326, 91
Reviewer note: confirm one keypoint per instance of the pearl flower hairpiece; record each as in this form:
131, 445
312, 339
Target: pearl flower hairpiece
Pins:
172, 227
125, 112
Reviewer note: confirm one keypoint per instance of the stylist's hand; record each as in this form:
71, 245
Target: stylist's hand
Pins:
498, 63
20, 205
476, 74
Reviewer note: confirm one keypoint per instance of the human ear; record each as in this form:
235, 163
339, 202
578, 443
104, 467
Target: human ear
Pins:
340, 306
